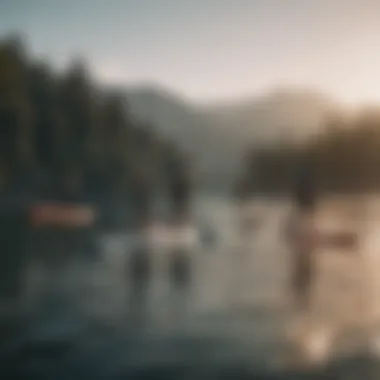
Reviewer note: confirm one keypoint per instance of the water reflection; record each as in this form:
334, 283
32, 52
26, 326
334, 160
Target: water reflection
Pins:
184, 312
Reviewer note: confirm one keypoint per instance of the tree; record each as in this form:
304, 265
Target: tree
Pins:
70, 135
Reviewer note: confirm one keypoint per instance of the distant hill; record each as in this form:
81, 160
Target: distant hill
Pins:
216, 135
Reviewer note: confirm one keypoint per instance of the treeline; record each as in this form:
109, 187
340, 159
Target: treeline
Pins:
344, 159
63, 137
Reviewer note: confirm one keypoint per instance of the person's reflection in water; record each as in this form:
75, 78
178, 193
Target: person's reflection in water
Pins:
180, 268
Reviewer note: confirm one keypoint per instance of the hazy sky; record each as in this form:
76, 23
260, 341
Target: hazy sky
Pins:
211, 49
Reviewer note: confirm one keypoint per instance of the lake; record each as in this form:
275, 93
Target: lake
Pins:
239, 304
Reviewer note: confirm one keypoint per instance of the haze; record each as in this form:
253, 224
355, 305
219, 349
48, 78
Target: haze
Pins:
212, 49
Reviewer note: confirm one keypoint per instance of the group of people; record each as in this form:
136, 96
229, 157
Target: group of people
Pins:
303, 237
140, 263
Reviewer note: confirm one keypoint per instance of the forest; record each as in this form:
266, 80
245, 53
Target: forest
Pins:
345, 158
63, 137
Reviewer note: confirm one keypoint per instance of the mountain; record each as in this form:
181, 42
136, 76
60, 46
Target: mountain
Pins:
216, 135
276, 115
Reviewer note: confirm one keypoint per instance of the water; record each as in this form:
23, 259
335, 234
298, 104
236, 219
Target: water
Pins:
233, 322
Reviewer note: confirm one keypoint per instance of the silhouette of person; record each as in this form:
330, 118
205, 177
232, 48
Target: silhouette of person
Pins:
180, 252
140, 260
302, 236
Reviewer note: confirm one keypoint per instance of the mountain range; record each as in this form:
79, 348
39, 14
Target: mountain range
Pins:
215, 136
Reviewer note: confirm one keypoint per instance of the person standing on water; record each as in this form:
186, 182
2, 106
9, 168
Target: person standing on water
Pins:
180, 251
139, 266
304, 238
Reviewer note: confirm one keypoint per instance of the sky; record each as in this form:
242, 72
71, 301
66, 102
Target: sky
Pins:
211, 49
